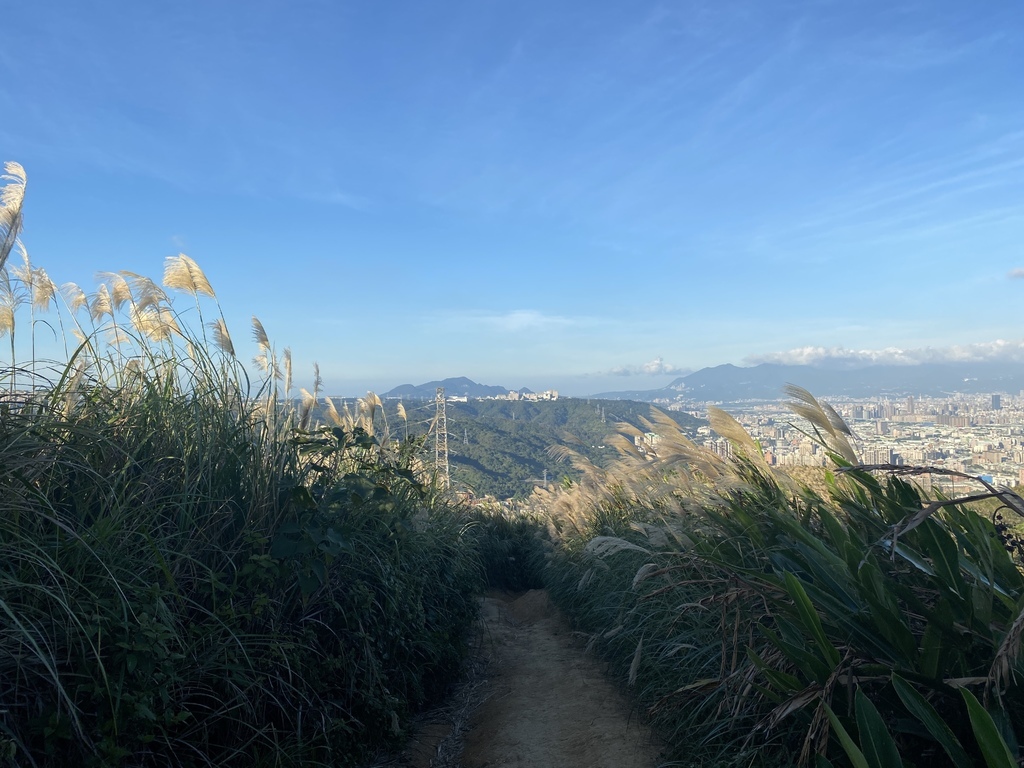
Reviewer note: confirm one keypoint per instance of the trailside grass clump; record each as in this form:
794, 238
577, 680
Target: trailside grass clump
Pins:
513, 545
190, 573
762, 623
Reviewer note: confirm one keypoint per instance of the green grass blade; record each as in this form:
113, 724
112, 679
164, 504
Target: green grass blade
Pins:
879, 747
810, 619
920, 708
857, 758
993, 747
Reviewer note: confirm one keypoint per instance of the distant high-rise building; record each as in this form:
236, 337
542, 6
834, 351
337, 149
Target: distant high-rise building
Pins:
910, 405
996, 403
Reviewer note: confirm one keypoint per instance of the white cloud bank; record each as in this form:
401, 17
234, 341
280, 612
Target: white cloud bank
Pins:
657, 367
998, 351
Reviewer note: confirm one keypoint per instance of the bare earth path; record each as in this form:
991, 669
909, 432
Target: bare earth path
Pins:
538, 701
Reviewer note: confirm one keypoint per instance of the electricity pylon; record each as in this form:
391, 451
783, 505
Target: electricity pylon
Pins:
441, 441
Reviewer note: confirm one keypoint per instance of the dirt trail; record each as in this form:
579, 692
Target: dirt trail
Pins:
536, 701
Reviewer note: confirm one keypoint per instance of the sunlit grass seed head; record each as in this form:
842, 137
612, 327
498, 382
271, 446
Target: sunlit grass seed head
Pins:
156, 323
287, 363
145, 292
12, 195
100, 305
40, 287
119, 290
74, 297
182, 273
221, 337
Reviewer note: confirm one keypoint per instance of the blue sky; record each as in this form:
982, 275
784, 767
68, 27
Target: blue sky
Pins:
585, 195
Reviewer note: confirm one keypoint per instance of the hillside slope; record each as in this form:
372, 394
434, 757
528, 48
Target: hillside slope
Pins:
500, 447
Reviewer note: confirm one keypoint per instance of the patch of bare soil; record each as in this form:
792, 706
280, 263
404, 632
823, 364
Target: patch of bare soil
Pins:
534, 698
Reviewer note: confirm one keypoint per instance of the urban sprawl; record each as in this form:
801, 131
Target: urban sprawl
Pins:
979, 435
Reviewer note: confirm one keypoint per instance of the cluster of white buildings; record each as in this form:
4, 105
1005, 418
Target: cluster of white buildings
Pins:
548, 394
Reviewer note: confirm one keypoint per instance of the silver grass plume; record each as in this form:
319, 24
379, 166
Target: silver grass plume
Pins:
725, 425
73, 389
265, 359
24, 272
11, 198
182, 273
306, 409
332, 412
154, 322
318, 383
221, 337
74, 296
8, 303
260, 334
116, 337
828, 425
267, 363
100, 304
44, 290
118, 287
146, 292
286, 358
368, 411
404, 417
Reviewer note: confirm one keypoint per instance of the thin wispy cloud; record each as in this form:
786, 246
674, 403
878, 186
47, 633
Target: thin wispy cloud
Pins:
519, 320
998, 351
910, 52
1016, 274
656, 367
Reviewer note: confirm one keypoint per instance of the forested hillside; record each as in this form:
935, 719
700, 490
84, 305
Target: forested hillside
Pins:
500, 447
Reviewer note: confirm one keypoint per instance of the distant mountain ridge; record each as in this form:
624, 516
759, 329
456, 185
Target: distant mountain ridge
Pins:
766, 381
460, 387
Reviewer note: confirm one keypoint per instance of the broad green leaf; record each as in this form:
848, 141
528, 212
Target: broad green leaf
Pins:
920, 708
849, 746
836, 532
810, 619
993, 747
944, 555
885, 614
875, 739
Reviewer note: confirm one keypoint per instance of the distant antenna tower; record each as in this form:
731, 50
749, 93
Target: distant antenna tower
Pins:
441, 441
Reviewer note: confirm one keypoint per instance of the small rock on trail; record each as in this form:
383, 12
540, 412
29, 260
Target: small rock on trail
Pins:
548, 704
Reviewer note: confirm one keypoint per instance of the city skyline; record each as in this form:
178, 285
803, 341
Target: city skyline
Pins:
586, 197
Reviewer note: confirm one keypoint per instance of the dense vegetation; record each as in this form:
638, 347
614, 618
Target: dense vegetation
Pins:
189, 573
760, 622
